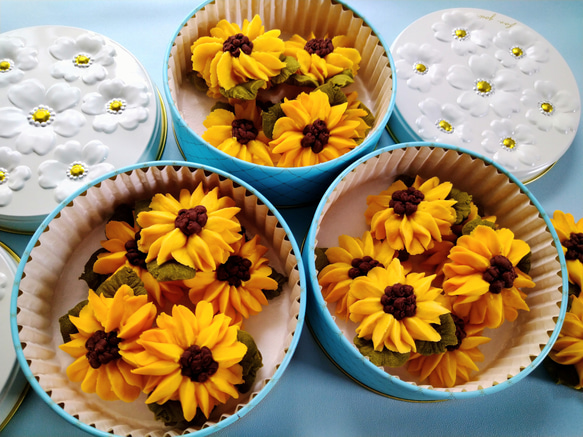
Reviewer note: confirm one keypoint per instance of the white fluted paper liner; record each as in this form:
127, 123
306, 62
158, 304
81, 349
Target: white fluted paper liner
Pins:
514, 345
50, 287
189, 106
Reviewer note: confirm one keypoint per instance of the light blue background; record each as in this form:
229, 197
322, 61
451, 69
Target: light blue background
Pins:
314, 398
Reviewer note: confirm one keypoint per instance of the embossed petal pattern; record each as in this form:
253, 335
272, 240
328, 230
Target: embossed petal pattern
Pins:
26, 96
524, 150
136, 97
15, 175
65, 49
54, 173
409, 56
21, 58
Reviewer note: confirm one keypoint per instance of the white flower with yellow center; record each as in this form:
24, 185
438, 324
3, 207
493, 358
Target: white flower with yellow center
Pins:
39, 115
464, 31
84, 57
420, 66
75, 166
444, 123
518, 47
549, 107
117, 104
15, 59
485, 85
510, 144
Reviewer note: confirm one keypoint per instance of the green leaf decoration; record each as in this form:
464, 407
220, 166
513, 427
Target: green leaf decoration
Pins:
335, 94
462, 206
384, 358
198, 82
321, 258
281, 281
251, 362
66, 326
524, 263
170, 271
244, 91
302, 80
93, 280
269, 118
223, 105
473, 224
341, 79
448, 337
170, 412
562, 374
126, 276
291, 66
369, 118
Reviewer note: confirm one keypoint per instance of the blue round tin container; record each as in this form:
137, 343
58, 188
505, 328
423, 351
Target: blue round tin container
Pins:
517, 347
188, 107
47, 285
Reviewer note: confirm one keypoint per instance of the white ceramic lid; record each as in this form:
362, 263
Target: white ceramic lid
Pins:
485, 82
12, 381
73, 106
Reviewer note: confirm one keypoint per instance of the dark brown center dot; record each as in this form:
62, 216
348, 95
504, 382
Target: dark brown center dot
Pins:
191, 221
402, 255
133, 255
460, 332
236, 44
405, 202
102, 348
500, 274
319, 46
361, 266
244, 130
316, 136
400, 301
234, 271
574, 246
197, 363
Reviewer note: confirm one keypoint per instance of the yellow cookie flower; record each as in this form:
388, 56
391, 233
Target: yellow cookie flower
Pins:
235, 287
233, 55
108, 330
568, 349
196, 230
571, 237
454, 366
122, 251
322, 58
352, 258
393, 309
192, 358
483, 277
412, 218
239, 134
312, 131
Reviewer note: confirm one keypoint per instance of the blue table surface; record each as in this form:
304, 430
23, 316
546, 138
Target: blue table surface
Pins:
313, 397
